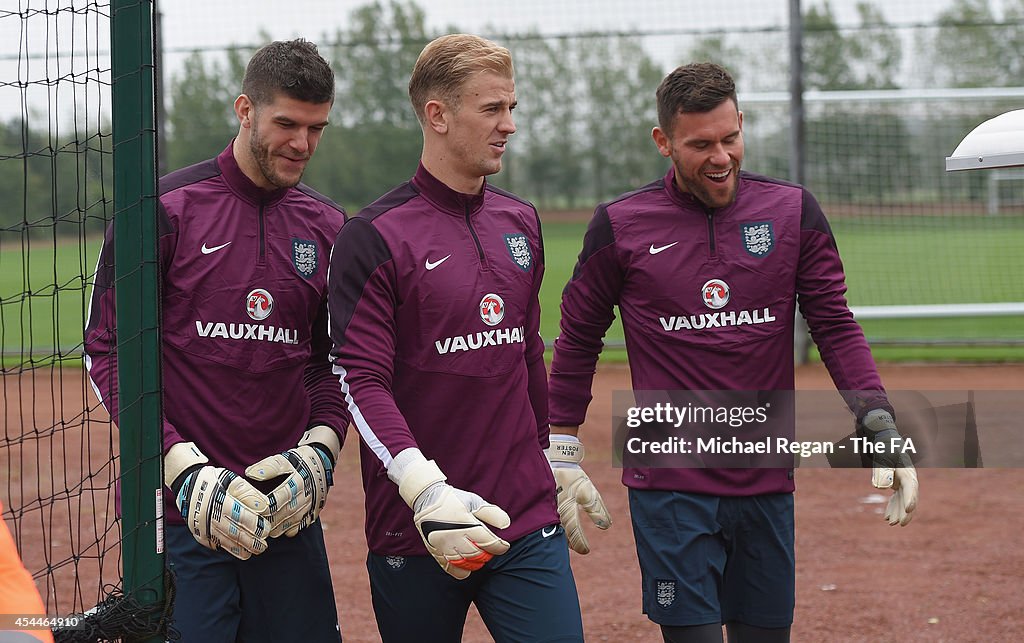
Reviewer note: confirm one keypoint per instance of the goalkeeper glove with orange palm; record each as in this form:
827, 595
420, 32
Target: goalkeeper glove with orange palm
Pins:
450, 521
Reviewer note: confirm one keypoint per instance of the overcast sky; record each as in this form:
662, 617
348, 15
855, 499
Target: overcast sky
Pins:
209, 23
213, 24
312, 17
205, 24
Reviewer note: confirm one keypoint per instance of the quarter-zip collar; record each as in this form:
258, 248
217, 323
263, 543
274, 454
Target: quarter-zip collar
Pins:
445, 198
242, 185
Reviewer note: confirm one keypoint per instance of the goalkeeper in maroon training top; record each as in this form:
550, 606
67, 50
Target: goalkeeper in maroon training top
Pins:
435, 319
253, 416
707, 266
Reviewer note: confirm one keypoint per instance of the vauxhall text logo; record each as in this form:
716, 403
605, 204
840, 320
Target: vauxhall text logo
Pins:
259, 303
492, 312
716, 294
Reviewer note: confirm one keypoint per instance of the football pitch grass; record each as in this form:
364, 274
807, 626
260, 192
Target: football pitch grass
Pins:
923, 261
44, 292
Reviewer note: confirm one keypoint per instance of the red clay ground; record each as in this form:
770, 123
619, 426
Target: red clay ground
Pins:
954, 574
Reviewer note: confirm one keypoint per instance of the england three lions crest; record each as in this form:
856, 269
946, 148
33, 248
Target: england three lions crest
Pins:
758, 238
304, 256
519, 249
665, 590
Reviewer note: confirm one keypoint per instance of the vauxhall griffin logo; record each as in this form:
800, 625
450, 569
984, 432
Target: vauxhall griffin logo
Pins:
492, 309
715, 293
259, 304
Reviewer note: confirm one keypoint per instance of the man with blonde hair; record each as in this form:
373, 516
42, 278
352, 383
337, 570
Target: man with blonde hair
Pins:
433, 298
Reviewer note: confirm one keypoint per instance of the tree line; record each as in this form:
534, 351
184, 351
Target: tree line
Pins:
585, 114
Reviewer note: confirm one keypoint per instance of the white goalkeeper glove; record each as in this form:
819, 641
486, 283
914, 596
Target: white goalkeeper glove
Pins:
220, 508
450, 521
575, 490
296, 502
892, 469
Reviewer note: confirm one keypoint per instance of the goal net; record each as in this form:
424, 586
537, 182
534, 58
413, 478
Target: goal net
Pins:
58, 448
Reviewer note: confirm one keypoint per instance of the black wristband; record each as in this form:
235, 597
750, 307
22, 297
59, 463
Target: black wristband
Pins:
179, 482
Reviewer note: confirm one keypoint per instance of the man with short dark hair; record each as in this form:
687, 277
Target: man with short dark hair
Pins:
253, 417
707, 267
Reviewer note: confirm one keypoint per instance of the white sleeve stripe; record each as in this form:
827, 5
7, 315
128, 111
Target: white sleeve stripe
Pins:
95, 389
86, 357
369, 437
92, 292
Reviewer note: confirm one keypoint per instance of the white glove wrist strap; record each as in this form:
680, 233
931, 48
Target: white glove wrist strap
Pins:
877, 421
565, 448
405, 459
325, 436
181, 457
416, 477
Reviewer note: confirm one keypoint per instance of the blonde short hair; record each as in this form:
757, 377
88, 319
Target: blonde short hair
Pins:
445, 65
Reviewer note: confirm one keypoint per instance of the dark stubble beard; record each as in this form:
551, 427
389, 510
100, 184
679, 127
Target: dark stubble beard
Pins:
261, 153
701, 193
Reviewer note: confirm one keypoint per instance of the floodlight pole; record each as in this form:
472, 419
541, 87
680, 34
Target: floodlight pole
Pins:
796, 93
161, 107
801, 338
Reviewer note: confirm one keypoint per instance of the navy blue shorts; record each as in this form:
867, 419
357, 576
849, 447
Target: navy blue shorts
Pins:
526, 594
715, 559
283, 594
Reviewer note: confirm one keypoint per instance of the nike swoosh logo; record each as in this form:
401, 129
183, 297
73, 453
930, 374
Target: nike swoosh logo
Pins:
544, 533
430, 526
207, 251
655, 251
430, 265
